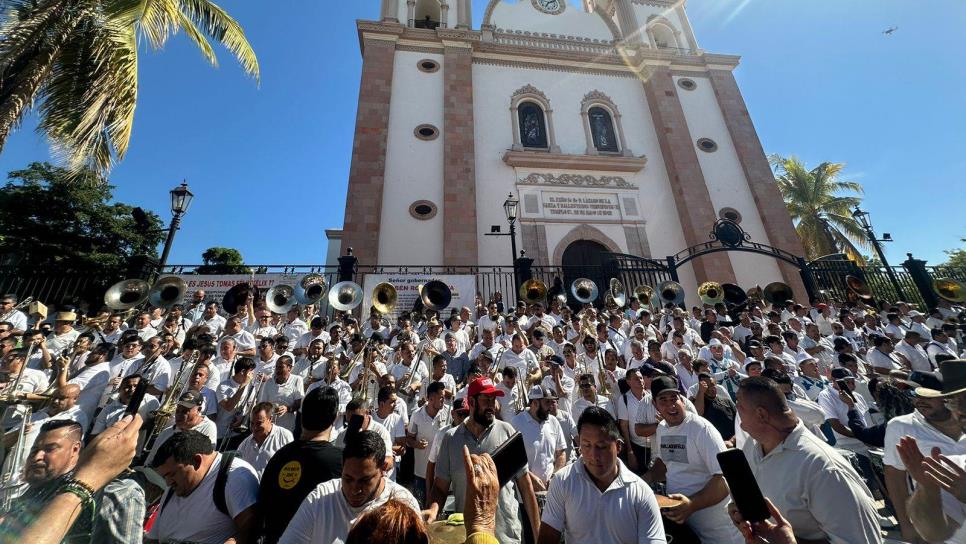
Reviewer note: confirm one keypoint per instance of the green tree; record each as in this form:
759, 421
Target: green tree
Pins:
821, 212
957, 257
52, 224
77, 60
222, 260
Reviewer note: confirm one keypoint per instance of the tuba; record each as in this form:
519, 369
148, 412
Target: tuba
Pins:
236, 297
533, 291
858, 287
710, 293
733, 295
777, 292
127, 294
166, 292
280, 299
671, 292
310, 288
384, 298
345, 296
435, 295
584, 290
755, 293
617, 292
644, 294
950, 290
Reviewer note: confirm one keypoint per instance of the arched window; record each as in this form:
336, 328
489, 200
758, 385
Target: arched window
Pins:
533, 127
602, 130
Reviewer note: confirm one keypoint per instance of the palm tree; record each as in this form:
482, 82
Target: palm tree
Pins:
822, 215
78, 59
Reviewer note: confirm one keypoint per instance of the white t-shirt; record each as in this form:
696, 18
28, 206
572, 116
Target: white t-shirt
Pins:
326, 517
195, 518
542, 441
628, 406
625, 513
581, 404
689, 452
286, 393
206, 427
114, 411
258, 456
396, 428
879, 359
424, 427
927, 437
91, 380
834, 408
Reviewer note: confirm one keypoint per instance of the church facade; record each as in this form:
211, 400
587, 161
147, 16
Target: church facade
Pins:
613, 128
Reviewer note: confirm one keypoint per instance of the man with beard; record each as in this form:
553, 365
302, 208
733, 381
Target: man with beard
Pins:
598, 499
114, 516
482, 433
543, 437
332, 508
933, 426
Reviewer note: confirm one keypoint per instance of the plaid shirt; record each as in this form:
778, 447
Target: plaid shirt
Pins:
120, 513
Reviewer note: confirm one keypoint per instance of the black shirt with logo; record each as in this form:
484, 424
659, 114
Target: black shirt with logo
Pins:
292, 473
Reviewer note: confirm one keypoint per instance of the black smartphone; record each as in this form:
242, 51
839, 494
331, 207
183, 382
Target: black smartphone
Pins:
137, 397
744, 488
845, 388
510, 458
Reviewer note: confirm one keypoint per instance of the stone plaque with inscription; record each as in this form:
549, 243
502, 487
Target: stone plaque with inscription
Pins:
580, 206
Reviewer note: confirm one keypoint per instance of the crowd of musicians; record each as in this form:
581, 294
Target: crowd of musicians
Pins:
290, 426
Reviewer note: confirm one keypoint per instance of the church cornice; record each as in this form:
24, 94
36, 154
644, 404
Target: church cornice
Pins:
561, 161
576, 180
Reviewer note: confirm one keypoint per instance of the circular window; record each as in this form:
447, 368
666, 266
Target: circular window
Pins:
707, 145
426, 132
730, 214
687, 84
428, 65
422, 210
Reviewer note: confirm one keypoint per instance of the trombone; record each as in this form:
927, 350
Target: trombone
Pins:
20, 306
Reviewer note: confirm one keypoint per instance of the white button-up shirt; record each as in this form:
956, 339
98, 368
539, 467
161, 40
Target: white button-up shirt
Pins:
258, 456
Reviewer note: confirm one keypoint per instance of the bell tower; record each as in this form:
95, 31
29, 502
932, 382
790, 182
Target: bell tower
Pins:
429, 14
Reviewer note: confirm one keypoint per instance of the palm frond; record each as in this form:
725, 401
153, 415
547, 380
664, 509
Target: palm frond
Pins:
216, 23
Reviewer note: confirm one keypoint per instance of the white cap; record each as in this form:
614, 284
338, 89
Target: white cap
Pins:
541, 392
714, 342
803, 357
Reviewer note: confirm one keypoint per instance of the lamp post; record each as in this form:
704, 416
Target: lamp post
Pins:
180, 200
511, 206
862, 217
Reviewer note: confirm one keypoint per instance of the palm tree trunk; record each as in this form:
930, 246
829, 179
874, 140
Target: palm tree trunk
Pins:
28, 81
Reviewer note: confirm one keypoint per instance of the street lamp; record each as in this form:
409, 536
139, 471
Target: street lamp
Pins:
862, 217
511, 207
180, 200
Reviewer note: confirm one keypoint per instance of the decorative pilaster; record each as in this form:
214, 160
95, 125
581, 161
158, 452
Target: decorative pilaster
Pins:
460, 241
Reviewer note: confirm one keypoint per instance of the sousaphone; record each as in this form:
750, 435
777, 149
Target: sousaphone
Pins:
671, 292
310, 288
345, 296
167, 291
858, 286
777, 292
126, 294
280, 299
733, 295
710, 293
237, 296
533, 291
584, 290
950, 289
644, 294
384, 298
435, 295
618, 293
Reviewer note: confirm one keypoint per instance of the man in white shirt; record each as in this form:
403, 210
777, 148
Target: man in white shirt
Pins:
686, 374
543, 437
267, 356
187, 417
91, 379
883, 358
424, 425
328, 512
144, 328
31, 381
587, 388
294, 327
912, 351
114, 411
809, 482
211, 319
409, 374
521, 359
285, 390
837, 412
153, 367
194, 509
244, 341
235, 395
64, 334
266, 438
597, 499
685, 450
317, 332
17, 319
939, 346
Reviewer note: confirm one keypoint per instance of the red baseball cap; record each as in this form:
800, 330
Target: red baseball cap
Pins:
483, 386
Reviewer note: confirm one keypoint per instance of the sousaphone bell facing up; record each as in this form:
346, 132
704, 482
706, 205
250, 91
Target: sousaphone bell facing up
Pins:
345, 296
777, 292
617, 292
310, 288
950, 290
167, 291
237, 297
384, 298
671, 292
733, 295
126, 294
858, 287
710, 293
435, 295
584, 290
533, 291
280, 299
644, 294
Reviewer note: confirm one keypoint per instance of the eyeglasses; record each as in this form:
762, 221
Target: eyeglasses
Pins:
586, 386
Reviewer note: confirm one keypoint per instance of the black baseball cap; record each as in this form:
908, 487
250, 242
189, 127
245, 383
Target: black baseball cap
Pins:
663, 383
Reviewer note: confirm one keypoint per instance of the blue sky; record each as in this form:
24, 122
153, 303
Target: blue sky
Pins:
269, 163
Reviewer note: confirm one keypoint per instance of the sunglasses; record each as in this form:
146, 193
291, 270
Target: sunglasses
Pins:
586, 385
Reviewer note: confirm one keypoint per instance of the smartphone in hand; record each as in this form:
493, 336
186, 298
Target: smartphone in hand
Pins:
510, 458
743, 486
137, 398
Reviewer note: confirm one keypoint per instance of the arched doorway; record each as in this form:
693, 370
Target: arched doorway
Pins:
584, 259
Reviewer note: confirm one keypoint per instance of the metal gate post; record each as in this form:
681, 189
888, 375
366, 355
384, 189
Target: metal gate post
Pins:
810, 288
922, 280
672, 268
347, 266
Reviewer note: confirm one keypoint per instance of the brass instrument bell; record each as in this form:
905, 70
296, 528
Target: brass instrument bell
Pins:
310, 288
671, 292
584, 290
280, 298
126, 294
384, 298
733, 294
167, 291
859, 287
435, 295
237, 297
777, 292
755, 293
618, 293
644, 294
950, 289
345, 296
710, 293
533, 291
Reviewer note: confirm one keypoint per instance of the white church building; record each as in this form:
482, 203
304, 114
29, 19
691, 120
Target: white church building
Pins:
609, 123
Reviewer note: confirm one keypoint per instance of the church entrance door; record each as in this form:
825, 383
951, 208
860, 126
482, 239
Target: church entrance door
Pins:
585, 259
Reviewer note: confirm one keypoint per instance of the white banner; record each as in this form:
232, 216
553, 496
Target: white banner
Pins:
407, 286
215, 286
